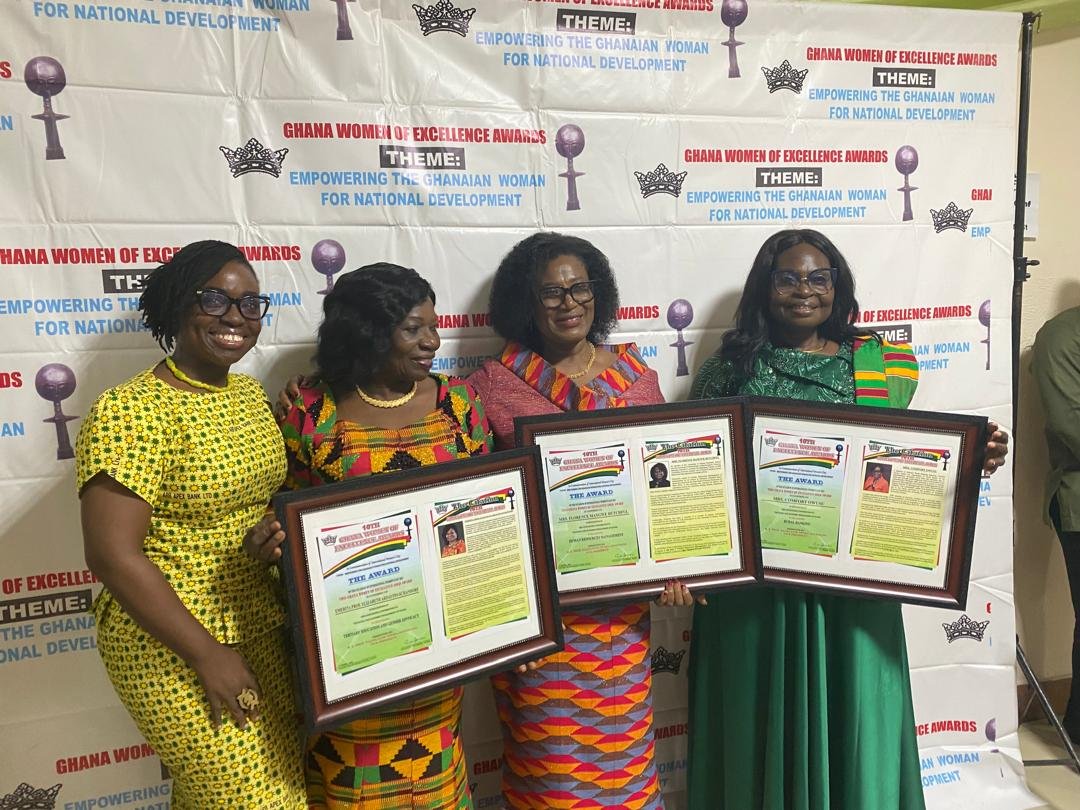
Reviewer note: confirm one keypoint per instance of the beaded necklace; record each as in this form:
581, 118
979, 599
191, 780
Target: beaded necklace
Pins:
176, 372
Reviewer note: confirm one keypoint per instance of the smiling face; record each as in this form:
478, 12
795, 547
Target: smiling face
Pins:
569, 323
413, 345
800, 311
208, 344
451, 535
659, 473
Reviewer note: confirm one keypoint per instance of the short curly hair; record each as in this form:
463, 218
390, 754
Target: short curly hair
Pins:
168, 293
359, 317
512, 304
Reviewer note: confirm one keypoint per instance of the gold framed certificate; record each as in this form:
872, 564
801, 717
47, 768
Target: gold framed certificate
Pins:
406, 583
866, 501
639, 496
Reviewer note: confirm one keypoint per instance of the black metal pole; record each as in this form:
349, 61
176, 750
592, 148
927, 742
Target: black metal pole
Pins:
1020, 274
1020, 261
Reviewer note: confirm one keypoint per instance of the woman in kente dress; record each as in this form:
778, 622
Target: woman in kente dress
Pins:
377, 408
578, 728
799, 700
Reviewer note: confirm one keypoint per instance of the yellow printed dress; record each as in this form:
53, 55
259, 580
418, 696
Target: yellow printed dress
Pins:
410, 756
208, 464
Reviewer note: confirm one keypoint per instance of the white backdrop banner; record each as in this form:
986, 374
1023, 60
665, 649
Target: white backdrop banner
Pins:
321, 135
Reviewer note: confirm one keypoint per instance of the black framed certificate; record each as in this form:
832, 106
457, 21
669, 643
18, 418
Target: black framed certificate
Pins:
639, 496
873, 502
401, 584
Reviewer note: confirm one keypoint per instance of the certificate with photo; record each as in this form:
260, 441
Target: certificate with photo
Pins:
867, 501
405, 583
639, 496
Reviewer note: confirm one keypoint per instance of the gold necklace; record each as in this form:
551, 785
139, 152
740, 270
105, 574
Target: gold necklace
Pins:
388, 403
592, 357
176, 372
818, 350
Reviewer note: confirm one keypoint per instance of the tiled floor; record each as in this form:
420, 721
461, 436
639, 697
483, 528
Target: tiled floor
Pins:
1058, 785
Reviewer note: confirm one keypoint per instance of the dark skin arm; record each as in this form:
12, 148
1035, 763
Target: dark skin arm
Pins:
115, 522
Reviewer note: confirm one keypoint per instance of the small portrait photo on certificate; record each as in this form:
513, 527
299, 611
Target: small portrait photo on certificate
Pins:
658, 476
452, 539
877, 478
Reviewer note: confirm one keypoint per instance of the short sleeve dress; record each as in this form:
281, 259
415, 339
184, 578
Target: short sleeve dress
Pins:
409, 757
207, 463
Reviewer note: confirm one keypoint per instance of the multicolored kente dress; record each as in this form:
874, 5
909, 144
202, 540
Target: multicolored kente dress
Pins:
409, 757
207, 463
798, 700
578, 731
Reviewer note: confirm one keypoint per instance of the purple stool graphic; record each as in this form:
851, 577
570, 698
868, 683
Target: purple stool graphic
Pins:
328, 257
732, 14
44, 76
907, 161
344, 31
984, 319
55, 382
569, 143
679, 315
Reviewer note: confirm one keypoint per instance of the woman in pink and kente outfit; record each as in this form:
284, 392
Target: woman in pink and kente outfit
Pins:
577, 726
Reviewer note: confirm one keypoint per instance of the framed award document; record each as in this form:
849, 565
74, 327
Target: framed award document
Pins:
405, 583
639, 496
866, 501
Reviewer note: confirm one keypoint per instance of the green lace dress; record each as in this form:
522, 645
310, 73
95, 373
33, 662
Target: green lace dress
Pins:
798, 700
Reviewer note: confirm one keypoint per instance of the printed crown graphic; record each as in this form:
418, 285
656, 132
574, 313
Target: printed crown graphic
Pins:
444, 16
254, 157
785, 77
965, 627
664, 661
951, 216
27, 797
660, 180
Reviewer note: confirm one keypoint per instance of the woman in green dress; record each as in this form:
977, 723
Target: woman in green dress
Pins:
798, 700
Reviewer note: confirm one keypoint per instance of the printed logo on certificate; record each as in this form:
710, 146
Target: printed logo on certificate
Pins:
478, 541
800, 483
688, 514
374, 590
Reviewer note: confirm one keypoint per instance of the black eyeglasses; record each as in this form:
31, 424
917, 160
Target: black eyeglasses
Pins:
217, 303
819, 281
552, 295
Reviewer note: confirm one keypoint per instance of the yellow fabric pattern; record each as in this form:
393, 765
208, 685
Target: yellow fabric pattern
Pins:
208, 464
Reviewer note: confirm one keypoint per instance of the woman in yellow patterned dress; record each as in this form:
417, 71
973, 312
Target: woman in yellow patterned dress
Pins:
173, 466
378, 408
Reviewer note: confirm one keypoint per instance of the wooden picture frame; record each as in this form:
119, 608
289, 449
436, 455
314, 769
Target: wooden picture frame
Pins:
635, 562
373, 564
906, 509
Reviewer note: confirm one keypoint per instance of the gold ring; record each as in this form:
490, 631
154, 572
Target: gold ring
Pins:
248, 700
